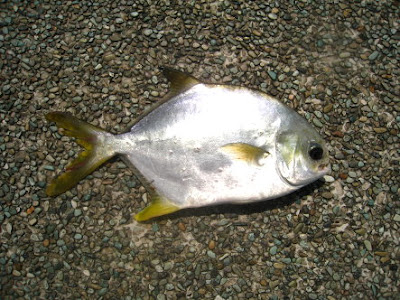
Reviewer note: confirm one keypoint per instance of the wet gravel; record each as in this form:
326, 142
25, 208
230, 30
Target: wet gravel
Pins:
336, 62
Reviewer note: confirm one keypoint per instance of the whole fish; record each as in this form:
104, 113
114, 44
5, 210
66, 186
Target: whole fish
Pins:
205, 144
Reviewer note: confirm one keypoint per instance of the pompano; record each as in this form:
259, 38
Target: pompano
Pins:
205, 144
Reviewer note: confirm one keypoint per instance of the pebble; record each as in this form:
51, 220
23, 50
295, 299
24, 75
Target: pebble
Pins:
272, 16
373, 55
272, 74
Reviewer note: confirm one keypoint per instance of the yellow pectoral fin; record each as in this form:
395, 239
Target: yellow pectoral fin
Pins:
245, 152
159, 206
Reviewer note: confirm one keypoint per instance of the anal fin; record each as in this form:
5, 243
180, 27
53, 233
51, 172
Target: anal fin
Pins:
159, 206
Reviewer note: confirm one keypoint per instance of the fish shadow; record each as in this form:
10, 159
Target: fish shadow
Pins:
246, 208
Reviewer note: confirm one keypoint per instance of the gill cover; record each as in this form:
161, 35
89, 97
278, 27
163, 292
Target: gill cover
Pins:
297, 162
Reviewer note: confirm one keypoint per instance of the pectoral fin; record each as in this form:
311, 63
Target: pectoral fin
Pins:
248, 153
159, 206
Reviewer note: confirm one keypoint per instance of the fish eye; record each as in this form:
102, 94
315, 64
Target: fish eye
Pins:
315, 151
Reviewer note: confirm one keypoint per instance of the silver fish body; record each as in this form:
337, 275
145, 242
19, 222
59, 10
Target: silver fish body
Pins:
211, 144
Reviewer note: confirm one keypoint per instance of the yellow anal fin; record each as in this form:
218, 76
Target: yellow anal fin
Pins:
96, 151
248, 153
180, 81
159, 206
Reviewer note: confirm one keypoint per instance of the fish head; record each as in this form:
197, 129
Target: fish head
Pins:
302, 156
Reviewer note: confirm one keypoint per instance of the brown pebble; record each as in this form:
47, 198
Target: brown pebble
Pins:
46, 243
381, 253
263, 282
380, 129
343, 175
279, 265
181, 226
338, 133
328, 108
211, 245
327, 195
385, 259
30, 210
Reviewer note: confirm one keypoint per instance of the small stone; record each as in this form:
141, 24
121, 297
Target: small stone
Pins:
273, 250
211, 245
317, 123
78, 236
327, 195
344, 54
273, 284
327, 108
211, 254
115, 37
272, 16
279, 265
181, 226
329, 178
396, 218
312, 296
373, 55
147, 31
272, 74
368, 245
380, 129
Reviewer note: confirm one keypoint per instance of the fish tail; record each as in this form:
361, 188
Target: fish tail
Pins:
98, 149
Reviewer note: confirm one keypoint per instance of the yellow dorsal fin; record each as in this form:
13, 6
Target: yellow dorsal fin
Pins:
180, 81
159, 206
248, 153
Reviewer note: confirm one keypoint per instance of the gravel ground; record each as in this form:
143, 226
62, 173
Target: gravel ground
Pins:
334, 62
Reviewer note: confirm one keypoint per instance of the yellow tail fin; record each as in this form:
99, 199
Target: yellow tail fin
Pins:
98, 149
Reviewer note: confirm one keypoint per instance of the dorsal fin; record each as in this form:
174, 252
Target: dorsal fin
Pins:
180, 81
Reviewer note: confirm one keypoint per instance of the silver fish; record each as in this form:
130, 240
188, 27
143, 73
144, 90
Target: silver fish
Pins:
206, 144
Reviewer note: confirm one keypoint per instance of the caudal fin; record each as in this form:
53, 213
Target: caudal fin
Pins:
98, 149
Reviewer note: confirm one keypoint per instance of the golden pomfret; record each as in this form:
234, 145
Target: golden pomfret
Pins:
207, 144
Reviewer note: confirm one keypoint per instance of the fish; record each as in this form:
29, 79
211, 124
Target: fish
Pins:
204, 144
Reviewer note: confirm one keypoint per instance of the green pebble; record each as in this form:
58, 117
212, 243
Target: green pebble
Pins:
49, 168
336, 277
155, 227
368, 245
77, 212
272, 74
312, 296
317, 123
103, 291
211, 254
373, 55
78, 236
273, 250
286, 260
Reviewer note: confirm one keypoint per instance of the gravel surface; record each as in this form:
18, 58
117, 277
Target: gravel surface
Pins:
336, 62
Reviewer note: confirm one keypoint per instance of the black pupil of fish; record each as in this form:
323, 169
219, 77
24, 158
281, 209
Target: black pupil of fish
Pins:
316, 152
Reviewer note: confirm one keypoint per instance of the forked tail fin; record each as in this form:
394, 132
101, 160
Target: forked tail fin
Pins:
98, 149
